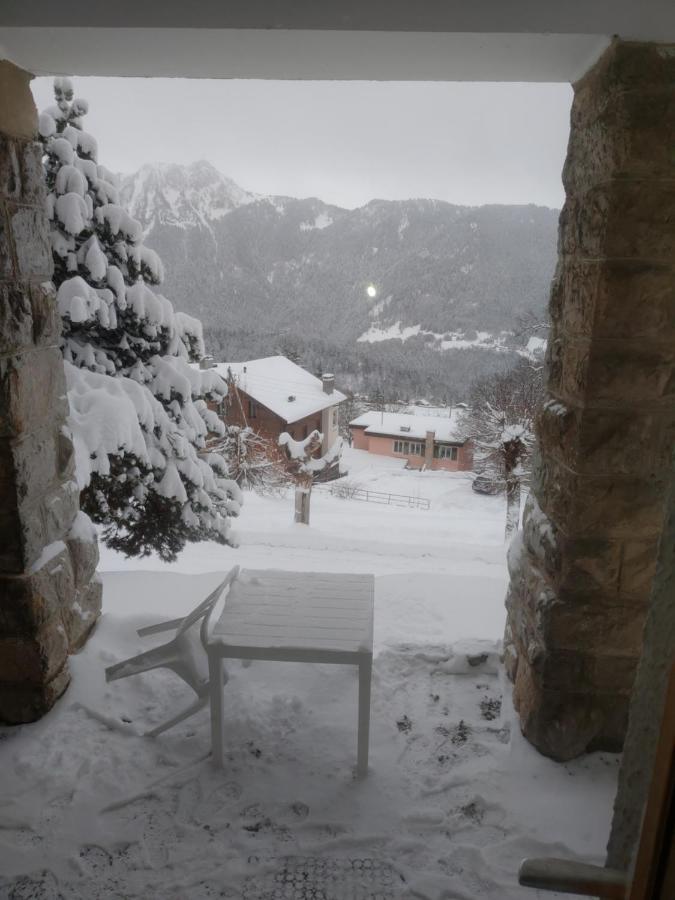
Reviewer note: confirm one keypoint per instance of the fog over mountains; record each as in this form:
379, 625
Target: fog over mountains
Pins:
271, 274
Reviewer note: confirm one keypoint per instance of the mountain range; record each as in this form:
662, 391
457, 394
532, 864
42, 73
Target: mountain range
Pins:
417, 280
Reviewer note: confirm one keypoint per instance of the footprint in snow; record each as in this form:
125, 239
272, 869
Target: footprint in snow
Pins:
95, 859
404, 725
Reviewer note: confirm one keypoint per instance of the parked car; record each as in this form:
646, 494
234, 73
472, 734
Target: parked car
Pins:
483, 484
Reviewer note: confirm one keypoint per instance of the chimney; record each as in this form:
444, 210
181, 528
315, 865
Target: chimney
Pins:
207, 362
328, 382
429, 449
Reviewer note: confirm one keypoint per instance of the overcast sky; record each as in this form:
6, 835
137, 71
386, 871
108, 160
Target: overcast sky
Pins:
345, 142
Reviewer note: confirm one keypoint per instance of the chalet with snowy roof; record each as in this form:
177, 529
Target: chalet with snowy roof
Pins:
274, 395
430, 442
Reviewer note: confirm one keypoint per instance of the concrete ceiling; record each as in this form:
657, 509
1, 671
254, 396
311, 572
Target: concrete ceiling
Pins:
453, 40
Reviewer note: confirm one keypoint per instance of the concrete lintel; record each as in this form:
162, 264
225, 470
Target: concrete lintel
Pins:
302, 54
647, 20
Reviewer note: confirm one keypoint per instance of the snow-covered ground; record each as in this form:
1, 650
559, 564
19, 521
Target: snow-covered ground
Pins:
454, 798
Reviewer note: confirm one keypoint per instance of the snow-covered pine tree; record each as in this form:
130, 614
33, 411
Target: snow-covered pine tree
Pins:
139, 419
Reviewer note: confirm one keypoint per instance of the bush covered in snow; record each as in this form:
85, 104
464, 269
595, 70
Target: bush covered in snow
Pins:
139, 420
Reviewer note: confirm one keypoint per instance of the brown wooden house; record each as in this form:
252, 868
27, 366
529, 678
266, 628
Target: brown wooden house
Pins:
275, 395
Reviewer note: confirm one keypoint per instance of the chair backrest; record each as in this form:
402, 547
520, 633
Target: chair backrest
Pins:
216, 608
206, 605
192, 665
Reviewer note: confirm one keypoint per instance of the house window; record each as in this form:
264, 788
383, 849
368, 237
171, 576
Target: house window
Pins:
252, 409
442, 451
335, 416
409, 448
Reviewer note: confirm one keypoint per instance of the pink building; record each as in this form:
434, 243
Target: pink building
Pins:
431, 442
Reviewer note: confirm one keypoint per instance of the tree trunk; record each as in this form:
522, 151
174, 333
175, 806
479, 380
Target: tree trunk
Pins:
512, 507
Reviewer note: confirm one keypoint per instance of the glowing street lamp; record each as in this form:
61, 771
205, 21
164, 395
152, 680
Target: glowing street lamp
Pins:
371, 290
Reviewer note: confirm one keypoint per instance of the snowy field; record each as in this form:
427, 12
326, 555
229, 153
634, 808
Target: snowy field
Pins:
454, 798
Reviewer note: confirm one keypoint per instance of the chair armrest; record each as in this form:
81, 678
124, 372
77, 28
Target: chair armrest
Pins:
159, 627
569, 877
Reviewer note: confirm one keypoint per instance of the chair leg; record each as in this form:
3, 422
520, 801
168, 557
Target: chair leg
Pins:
151, 659
198, 704
217, 699
365, 673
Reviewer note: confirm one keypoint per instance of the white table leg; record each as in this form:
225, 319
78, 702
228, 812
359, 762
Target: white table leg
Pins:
217, 709
365, 672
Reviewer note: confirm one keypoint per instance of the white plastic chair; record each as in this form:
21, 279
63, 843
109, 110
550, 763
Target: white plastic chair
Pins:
185, 654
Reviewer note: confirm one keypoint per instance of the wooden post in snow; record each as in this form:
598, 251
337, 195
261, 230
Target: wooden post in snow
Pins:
303, 466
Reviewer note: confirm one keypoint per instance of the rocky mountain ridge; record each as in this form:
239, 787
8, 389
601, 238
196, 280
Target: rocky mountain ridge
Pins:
419, 276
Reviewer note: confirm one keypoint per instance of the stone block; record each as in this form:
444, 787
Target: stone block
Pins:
557, 428
35, 461
65, 457
32, 390
527, 616
563, 725
588, 566
21, 703
566, 671
621, 219
46, 519
615, 673
33, 599
31, 241
84, 558
16, 318
510, 653
614, 299
621, 442
10, 169
33, 188
6, 247
540, 538
594, 624
18, 116
628, 65
11, 546
81, 615
35, 659
45, 314
560, 725
630, 374
600, 506
608, 374
619, 134
28, 317
638, 567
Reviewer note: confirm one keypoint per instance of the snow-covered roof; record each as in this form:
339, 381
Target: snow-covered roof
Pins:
274, 380
446, 428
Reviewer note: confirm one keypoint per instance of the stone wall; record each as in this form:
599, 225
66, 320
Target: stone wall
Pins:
582, 570
48, 553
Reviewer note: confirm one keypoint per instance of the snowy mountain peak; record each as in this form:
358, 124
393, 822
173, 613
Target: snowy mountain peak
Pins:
182, 196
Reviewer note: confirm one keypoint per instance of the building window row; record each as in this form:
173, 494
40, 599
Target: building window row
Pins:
409, 448
442, 451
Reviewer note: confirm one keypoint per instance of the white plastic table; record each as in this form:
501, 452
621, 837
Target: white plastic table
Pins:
312, 617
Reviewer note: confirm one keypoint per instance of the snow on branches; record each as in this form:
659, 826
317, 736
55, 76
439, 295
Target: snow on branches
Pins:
501, 424
139, 420
304, 465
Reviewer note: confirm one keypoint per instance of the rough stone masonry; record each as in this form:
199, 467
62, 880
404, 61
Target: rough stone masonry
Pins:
581, 579
49, 598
